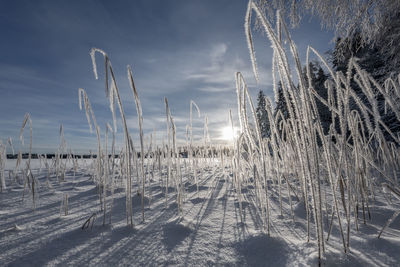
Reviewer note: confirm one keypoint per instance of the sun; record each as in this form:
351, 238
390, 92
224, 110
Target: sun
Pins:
228, 134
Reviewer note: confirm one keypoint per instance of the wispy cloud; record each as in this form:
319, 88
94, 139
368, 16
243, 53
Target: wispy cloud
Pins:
173, 50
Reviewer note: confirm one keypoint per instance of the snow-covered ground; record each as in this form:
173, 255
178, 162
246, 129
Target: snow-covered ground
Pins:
209, 231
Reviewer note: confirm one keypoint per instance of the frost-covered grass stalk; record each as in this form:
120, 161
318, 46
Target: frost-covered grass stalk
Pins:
167, 149
192, 160
113, 93
111, 170
90, 114
27, 119
3, 159
64, 204
140, 122
29, 179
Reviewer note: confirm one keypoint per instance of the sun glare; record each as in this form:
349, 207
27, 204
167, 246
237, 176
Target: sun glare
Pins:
228, 134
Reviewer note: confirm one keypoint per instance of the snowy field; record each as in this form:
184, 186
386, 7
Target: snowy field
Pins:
308, 177
208, 232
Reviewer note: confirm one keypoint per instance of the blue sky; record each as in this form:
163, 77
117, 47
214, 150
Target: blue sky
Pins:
180, 49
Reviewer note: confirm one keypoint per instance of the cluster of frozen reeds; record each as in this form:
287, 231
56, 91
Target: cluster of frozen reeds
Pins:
138, 169
336, 175
26, 176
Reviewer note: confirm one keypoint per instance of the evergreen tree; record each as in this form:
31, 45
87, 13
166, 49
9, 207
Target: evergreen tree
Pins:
282, 107
262, 115
281, 102
370, 58
388, 44
318, 78
376, 64
374, 20
323, 111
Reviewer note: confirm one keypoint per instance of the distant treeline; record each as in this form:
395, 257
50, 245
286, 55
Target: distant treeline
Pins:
49, 156
183, 153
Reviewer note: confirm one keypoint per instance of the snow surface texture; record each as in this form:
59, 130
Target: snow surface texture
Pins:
208, 233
